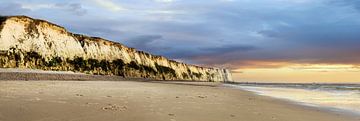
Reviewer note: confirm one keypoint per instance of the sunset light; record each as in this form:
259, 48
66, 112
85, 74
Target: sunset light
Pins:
296, 73
179, 60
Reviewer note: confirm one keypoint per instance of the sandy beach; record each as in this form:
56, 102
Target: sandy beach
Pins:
146, 101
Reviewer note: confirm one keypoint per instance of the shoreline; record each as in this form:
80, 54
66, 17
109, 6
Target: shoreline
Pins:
306, 103
328, 109
148, 100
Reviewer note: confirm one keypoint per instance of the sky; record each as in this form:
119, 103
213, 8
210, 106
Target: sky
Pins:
259, 40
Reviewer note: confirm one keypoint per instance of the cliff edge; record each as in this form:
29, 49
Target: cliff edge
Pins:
31, 43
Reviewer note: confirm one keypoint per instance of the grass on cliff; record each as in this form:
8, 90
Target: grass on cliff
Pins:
2, 20
115, 67
165, 70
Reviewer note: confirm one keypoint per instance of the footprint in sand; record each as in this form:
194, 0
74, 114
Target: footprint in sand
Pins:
88, 103
200, 96
79, 95
171, 114
114, 107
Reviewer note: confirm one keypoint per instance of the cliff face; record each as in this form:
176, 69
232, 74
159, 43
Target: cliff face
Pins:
31, 43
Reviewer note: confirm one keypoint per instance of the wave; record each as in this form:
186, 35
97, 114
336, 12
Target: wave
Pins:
343, 97
308, 86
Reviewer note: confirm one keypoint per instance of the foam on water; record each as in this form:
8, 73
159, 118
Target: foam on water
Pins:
341, 97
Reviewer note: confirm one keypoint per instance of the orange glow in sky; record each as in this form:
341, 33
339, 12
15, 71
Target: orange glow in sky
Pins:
319, 73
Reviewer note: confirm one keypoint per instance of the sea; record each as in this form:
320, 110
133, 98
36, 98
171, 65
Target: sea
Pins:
334, 97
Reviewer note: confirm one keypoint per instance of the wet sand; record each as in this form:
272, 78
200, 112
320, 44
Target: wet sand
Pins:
146, 101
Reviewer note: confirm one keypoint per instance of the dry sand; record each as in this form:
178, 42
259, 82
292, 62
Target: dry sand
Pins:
146, 101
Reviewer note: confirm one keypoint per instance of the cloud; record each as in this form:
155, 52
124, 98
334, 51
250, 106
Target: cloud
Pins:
219, 55
269, 33
352, 3
236, 34
110, 5
164, 1
74, 8
144, 42
102, 27
228, 49
12, 9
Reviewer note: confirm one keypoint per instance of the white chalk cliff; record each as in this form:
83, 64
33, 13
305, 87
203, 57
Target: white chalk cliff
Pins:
32, 43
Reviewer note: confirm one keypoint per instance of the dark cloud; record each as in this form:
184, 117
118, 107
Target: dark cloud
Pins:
74, 8
352, 3
104, 28
12, 9
143, 41
146, 43
210, 55
269, 33
306, 34
228, 49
